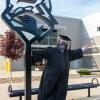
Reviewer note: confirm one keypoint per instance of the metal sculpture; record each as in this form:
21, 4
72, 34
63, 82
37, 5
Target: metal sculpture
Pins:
23, 23
26, 23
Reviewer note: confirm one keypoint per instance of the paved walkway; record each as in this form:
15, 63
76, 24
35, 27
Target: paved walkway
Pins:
4, 74
72, 95
21, 73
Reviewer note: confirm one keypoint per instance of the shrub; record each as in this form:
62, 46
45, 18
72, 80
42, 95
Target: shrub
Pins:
84, 72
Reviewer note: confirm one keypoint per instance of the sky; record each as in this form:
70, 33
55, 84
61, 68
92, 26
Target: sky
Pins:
68, 8
75, 8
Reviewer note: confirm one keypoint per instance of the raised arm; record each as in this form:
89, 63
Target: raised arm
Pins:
76, 54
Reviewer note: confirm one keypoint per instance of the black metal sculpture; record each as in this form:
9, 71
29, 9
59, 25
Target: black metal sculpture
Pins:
23, 23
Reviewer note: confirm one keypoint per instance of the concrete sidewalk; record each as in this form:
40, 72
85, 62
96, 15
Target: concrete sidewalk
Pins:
18, 76
4, 74
72, 95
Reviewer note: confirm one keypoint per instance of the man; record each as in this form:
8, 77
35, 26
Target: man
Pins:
54, 81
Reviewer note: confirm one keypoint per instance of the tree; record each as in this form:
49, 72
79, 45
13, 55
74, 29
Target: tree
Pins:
11, 46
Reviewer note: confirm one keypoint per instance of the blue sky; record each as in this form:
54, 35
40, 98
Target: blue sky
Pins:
69, 8
75, 8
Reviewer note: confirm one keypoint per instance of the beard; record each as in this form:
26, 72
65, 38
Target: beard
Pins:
63, 47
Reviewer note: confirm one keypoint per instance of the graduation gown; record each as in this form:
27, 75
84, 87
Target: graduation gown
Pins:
54, 80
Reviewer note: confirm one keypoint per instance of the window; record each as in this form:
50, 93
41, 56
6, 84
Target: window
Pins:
51, 39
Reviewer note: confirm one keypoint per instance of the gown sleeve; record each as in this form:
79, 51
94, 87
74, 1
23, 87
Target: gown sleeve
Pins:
39, 55
75, 54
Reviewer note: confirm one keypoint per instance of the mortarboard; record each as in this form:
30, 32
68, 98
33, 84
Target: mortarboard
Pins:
66, 38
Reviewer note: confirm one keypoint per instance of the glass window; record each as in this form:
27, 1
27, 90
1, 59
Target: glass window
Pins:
54, 35
44, 42
52, 41
49, 40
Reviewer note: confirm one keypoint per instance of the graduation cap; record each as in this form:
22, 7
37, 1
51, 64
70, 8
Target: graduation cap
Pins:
66, 38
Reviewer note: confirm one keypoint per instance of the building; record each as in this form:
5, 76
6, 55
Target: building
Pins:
91, 35
81, 31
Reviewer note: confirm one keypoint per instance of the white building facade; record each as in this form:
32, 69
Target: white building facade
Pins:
91, 35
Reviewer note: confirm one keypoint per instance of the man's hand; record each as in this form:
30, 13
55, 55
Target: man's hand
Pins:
86, 46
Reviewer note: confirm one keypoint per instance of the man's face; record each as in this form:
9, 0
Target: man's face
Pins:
62, 44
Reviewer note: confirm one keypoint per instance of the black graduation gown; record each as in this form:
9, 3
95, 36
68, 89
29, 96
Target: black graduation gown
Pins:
54, 80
